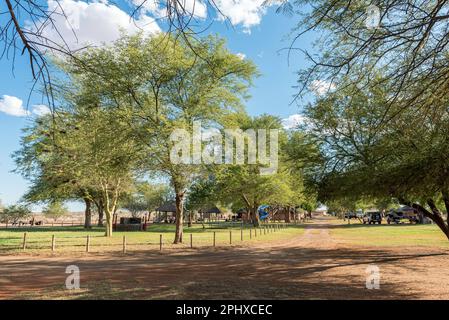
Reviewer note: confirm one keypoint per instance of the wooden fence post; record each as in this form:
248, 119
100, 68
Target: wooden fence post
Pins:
24, 244
124, 244
88, 243
191, 240
160, 242
214, 239
230, 237
53, 243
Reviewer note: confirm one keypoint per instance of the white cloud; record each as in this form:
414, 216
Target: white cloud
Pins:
41, 110
81, 23
93, 23
12, 106
247, 13
294, 121
321, 87
196, 7
241, 55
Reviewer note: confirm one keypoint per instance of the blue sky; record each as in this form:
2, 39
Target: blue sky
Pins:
259, 40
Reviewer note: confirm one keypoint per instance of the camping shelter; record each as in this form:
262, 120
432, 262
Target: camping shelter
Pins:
168, 210
211, 212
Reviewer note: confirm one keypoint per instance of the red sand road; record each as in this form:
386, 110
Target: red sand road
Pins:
311, 266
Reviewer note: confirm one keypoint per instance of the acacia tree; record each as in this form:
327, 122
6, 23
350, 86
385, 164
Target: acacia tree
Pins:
105, 156
146, 197
43, 161
383, 129
406, 159
43, 164
160, 84
154, 194
14, 213
55, 210
81, 154
407, 39
240, 185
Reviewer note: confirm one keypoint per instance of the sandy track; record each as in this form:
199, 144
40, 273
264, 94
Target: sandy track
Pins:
311, 266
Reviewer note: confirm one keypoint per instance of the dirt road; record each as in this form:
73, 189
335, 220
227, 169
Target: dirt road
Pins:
311, 266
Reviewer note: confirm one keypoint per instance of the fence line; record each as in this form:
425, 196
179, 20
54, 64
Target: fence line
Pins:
86, 242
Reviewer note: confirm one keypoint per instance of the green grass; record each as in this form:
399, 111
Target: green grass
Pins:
389, 235
73, 239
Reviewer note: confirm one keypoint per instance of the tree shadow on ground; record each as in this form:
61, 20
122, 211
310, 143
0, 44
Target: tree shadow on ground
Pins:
233, 273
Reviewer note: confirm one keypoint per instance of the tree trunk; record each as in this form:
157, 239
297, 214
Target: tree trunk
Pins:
255, 216
190, 219
179, 217
252, 212
100, 208
435, 215
108, 232
287, 214
446, 204
438, 217
88, 214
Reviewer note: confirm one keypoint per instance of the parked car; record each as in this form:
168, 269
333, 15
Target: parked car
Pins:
394, 217
372, 218
398, 216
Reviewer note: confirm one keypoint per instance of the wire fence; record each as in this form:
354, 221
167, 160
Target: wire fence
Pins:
137, 241
44, 223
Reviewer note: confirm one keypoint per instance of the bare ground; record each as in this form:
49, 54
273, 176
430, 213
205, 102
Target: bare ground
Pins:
311, 266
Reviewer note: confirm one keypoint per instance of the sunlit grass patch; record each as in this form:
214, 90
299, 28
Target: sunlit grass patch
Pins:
390, 235
74, 239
